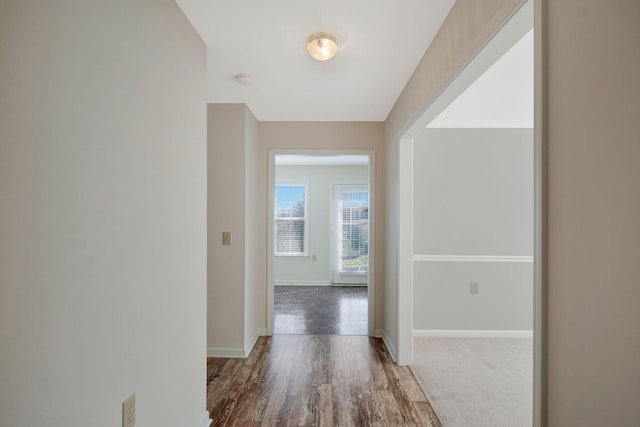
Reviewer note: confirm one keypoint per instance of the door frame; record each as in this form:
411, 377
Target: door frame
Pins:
271, 183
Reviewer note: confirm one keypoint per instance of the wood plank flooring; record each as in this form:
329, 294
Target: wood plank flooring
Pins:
315, 380
320, 310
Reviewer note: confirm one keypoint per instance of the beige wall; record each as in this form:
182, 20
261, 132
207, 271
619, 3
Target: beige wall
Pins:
226, 212
237, 195
231, 276
593, 285
102, 214
318, 135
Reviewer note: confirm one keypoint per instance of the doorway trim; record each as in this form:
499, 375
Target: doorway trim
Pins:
271, 183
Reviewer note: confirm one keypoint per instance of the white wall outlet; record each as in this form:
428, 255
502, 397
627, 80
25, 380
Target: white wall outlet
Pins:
314, 257
226, 238
129, 411
475, 287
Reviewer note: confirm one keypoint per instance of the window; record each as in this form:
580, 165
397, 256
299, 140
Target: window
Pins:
354, 231
291, 220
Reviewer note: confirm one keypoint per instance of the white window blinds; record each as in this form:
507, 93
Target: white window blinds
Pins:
291, 220
354, 231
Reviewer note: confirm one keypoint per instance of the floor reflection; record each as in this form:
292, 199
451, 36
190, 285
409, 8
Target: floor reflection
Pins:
320, 310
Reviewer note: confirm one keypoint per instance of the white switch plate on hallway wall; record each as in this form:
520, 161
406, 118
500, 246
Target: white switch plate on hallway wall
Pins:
475, 287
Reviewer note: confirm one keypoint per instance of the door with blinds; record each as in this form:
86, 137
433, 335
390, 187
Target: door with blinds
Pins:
351, 234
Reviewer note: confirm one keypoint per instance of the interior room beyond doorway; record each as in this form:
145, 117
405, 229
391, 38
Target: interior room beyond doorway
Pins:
473, 242
320, 258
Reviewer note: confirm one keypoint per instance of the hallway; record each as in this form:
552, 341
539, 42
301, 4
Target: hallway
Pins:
315, 380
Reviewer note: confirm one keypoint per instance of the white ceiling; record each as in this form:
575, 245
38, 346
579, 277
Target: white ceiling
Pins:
380, 44
502, 97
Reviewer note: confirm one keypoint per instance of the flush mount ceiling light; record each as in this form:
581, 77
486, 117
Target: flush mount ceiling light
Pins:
322, 46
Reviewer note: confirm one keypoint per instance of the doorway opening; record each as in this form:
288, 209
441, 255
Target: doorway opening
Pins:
471, 258
321, 245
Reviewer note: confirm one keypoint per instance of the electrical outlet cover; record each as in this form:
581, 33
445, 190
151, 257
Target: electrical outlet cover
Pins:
129, 411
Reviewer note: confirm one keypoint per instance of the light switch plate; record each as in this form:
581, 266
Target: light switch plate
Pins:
226, 237
475, 287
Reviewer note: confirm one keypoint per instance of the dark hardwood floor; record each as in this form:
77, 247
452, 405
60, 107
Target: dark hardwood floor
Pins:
320, 310
315, 380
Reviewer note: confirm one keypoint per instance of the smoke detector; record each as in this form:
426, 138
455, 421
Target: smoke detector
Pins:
242, 79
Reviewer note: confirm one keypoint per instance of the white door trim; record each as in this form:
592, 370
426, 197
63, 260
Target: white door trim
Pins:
405, 252
540, 217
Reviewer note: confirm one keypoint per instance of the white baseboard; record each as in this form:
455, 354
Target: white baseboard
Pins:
225, 352
471, 333
301, 283
381, 333
248, 346
260, 332
206, 421
242, 353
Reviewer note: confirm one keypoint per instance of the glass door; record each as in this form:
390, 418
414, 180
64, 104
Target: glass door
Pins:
351, 234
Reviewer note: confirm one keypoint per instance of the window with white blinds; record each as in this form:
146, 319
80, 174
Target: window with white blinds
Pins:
354, 231
291, 220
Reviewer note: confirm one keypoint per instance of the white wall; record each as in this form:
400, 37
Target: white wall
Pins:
102, 214
473, 197
320, 181
593, 208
